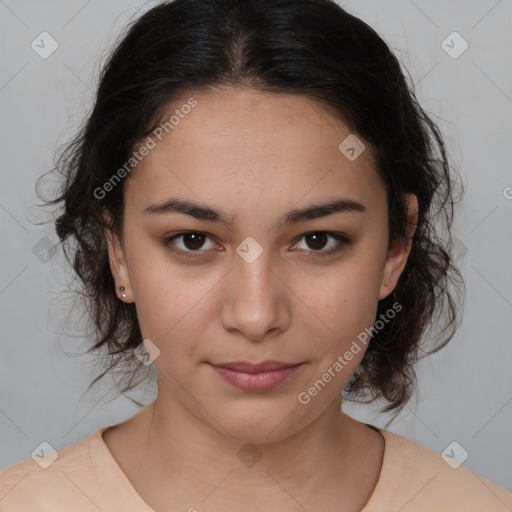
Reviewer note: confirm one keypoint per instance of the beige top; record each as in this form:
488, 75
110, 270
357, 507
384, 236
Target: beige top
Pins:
85, 477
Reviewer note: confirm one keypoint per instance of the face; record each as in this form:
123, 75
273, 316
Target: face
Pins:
249, 281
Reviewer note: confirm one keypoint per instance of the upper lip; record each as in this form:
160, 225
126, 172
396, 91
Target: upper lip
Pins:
264, 366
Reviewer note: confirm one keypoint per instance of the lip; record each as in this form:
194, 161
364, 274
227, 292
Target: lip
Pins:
255, 377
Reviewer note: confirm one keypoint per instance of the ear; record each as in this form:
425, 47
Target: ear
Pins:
399, 250
118, 265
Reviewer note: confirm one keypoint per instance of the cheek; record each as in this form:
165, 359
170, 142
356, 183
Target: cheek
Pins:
169, 302
349, 309
162, 295
347, 298
351, 320
347, 305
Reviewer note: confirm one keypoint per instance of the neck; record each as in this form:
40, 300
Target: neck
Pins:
192, 458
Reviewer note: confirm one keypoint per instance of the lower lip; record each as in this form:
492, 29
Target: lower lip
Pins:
259, 381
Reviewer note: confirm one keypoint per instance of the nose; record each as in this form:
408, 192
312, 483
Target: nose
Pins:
256, 304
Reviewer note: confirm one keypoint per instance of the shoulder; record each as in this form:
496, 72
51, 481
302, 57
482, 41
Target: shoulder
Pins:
51, 480
415, 478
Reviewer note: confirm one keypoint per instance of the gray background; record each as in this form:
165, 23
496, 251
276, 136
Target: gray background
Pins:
465, 391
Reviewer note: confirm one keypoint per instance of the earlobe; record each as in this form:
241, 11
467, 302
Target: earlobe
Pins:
399, 250
118, 265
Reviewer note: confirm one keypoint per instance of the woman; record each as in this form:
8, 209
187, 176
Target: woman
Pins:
252, 204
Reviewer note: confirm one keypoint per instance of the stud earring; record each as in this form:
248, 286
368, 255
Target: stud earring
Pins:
121, 289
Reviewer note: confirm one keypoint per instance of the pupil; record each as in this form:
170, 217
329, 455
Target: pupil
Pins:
197, 240
317, 236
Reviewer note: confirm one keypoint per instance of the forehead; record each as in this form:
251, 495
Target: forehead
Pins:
226, 119
258, 145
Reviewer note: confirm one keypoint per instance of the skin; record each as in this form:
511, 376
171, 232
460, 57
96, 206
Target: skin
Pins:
255, 156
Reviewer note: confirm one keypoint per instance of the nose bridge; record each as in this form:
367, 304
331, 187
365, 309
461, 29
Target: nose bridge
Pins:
253, 268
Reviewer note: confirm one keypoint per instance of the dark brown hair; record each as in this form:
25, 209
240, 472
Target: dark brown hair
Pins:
312, 48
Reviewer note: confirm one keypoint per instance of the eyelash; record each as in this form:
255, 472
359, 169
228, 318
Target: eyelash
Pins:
340, 237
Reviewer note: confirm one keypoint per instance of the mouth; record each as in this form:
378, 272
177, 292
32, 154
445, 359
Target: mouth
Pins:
256, 377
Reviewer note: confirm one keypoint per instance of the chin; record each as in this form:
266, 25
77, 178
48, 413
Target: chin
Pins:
259, 425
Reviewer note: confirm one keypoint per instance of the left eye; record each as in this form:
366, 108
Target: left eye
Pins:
193, 241
318, 238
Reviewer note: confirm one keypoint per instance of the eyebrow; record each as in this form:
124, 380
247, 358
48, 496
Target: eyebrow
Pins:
208, 214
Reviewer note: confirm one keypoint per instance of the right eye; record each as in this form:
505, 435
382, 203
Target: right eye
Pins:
192, 241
